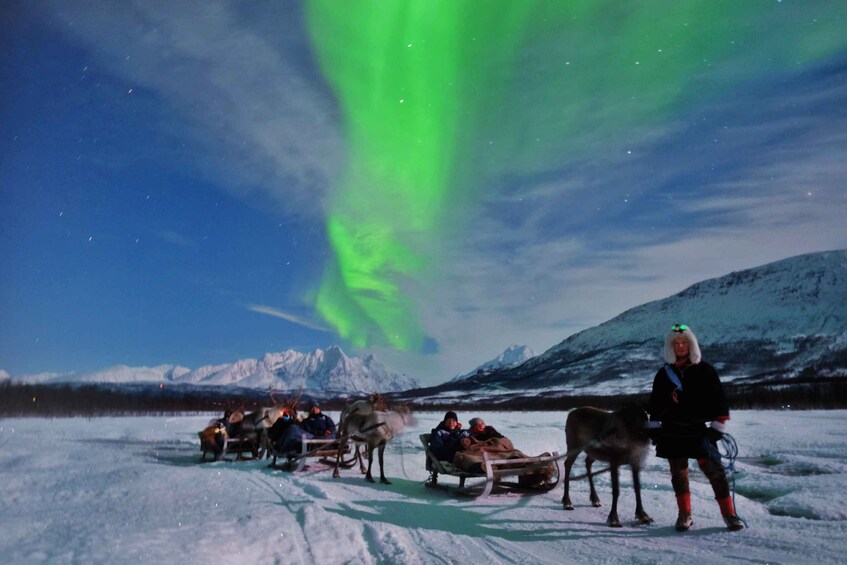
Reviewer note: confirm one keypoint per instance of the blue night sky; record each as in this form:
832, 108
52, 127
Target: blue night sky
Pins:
194, 183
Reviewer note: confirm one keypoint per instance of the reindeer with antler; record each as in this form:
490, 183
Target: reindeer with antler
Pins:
374, 424
257, 423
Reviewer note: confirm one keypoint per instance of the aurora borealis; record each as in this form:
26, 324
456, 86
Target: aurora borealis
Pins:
422, 85
429, 181
400, 71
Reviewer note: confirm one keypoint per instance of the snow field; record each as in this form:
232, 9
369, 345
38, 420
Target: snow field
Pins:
132, 490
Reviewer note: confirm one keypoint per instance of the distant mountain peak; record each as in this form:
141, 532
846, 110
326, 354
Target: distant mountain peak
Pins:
513, 356
329, 370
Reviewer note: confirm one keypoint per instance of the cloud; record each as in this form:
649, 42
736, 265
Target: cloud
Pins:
270, 311
559, 252
240, 85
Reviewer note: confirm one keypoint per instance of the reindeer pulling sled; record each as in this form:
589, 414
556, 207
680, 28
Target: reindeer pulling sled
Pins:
532, 474
364, 426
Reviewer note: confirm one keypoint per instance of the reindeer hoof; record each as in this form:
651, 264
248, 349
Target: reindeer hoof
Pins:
644, 519
567, 506
614, 523
596, 503
385, 481
369, 479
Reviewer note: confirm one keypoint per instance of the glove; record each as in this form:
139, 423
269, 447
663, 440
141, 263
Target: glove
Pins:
654, 430
715, 431
718, 426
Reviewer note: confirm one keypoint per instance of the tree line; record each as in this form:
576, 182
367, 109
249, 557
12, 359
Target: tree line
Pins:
41, 400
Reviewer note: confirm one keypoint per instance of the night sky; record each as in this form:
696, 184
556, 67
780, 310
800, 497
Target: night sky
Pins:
431, 181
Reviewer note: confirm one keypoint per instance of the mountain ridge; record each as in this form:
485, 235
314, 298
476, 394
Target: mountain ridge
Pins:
778, 321
329, 370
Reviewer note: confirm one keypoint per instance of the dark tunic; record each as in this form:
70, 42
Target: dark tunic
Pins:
702, 399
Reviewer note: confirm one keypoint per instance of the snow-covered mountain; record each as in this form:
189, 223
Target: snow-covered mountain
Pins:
783, 320
513, 356
327, 370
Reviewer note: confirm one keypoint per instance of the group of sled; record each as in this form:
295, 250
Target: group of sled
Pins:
686, 396
365, 426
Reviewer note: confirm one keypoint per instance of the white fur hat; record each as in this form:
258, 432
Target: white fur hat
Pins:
693, 347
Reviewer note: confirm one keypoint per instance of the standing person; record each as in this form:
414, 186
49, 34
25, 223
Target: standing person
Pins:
319, 424
686, 394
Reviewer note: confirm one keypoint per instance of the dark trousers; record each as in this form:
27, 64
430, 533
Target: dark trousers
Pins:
713, 470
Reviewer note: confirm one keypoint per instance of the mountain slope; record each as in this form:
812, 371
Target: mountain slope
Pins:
513, 356
783, 320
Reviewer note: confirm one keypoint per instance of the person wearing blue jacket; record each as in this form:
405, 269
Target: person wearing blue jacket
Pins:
319, 424
445, 439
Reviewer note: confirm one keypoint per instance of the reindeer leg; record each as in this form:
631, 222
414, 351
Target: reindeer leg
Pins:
382, 478
640, 514
361, 457
595, 500
335, 472
569, 461
613, 519
368, 476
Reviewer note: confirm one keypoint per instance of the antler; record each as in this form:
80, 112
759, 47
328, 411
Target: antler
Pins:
286, 401
277, 403
378, 402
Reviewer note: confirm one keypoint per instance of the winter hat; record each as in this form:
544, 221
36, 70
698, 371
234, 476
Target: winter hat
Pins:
693, 347
450, 415
475, 421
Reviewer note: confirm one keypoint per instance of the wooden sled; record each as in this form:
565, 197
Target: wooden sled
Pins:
494, 470
325, 450
240, 444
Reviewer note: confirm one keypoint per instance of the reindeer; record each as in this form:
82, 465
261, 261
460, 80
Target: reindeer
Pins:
255, 425
619, 438
377, 429
370, 422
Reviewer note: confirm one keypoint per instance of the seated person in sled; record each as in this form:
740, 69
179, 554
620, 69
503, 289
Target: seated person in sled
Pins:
286, 434
214, 438
485, 439
480, 432
318, 424
445, 440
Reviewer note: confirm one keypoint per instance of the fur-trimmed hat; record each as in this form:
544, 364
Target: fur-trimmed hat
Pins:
693, 347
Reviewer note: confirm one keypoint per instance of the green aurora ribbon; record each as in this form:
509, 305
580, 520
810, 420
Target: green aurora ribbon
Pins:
439, 98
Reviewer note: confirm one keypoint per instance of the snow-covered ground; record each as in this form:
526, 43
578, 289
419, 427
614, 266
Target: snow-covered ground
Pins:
132, 490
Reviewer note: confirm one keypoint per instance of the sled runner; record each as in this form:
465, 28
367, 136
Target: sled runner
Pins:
528, 470
325, 450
